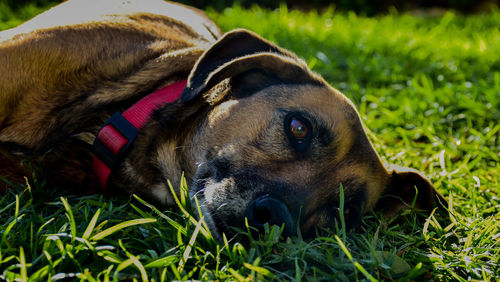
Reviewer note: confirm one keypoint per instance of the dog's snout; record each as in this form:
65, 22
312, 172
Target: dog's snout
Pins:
267, 209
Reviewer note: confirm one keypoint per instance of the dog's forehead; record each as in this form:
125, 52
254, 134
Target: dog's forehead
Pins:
324, 103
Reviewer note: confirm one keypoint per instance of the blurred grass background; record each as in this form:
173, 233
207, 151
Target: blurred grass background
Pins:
362, 7
427, 88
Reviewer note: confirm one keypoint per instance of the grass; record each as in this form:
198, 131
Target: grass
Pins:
429, 91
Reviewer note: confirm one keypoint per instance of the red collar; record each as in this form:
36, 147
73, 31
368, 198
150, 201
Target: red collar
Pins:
115, 137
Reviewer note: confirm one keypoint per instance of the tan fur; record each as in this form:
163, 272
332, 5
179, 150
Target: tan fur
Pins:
65, 72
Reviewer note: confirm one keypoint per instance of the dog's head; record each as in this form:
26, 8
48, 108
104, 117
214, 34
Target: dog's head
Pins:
278, 143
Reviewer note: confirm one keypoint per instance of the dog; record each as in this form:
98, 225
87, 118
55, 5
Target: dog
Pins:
125, 96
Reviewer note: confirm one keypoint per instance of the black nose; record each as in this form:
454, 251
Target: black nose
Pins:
267, 209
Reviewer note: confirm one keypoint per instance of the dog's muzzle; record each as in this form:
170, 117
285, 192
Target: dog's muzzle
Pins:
269, 210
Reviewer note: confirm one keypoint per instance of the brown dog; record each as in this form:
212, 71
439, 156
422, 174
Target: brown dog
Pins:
257, 134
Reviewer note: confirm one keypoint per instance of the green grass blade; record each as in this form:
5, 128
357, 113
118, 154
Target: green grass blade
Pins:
124, 264
9, 228
260, 270
341, 212
365, 273
162, 262
90, 228
172, 222
298, 272
71, 218
185, 212
344, 248
16, 211
140, 267
111, 230
22, 265
189, 247
236, 275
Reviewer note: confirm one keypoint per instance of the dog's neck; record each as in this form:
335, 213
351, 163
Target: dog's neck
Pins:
118, 134
162, 153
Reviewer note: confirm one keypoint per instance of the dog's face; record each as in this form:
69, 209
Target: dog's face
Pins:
279, 143
278, 154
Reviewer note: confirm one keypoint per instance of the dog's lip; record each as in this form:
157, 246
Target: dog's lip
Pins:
211, 220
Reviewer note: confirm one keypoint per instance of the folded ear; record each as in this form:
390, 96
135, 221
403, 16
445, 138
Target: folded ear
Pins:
408, 186
240, 51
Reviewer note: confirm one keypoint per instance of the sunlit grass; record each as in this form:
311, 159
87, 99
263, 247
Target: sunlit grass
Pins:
428, 89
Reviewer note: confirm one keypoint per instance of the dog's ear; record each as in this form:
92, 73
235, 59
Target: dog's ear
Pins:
408, 186
240, 51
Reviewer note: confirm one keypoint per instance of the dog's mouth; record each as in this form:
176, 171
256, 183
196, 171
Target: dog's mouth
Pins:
228, 203
208, 195
263, 210
198, 199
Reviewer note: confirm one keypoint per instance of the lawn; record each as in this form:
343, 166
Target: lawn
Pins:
428, 89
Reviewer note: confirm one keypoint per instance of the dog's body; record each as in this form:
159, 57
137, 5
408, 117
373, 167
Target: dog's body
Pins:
62, 76
254, 129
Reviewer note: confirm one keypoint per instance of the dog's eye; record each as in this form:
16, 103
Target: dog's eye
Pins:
298, 129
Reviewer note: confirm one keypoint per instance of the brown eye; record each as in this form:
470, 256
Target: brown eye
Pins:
298, 129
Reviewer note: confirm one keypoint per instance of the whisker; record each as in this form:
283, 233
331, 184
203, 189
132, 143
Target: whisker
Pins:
221, 206
196, 194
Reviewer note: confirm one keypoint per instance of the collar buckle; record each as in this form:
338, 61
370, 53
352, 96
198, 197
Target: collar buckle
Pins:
112, 154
